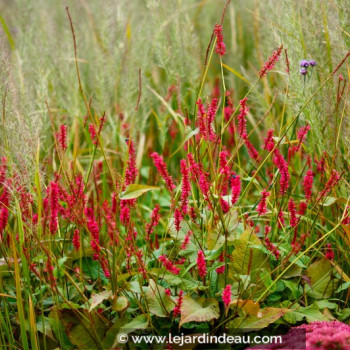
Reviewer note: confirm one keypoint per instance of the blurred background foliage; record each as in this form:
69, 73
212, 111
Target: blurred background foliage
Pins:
167, 40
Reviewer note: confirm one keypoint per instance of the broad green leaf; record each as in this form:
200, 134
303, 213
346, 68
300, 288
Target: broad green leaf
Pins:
294, 287
310, 313
322, 284
186, 282
345, 285
326, 304
97, 299
138, 323
59, 330
247, 260
79, 330
199, 310
120, 303
265, 317
109, 338
92, 269
159, 303
135, 190
216, 238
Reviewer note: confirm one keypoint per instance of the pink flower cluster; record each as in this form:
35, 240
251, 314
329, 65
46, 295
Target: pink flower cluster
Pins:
169, 265
179, 301
262, 206
186, 186
206, 119
161, 167
226, 295
202, 268
319, 335
271, 62
220, 48
282, 166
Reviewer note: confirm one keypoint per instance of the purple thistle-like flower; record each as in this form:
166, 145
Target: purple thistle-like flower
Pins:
304, 63
312, 63
303, 71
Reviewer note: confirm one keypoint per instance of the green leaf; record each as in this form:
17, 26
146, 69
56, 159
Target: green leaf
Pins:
265, 317
186, 283
345, 314
325, 304
294, 288
343, 286
198, 310
92, 269
322, 285
135, 190
331, 200
159, 303
189, 133
139, 322
247, 260
120, 303
79, 330
216, 238
311, 313
97, 299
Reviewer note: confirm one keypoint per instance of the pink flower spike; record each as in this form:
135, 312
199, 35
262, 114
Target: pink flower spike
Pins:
253, 153
282, 166
169, 265
242, 122
329, 252
161, 167
54, 195
293, 214
62, 137
307, 183
236, 188
93, 134
226, 295
332, 182
301, 136
76, 240
177, 308
131, 171
186, 186
271, 62
221, 269
178, 218
281, 222
220, 47
262, 206
269, 142
202, 268
186, 240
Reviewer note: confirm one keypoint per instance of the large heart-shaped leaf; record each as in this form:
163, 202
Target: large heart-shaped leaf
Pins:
265, 317
139, 322
198, 310
78, 328
97, 299
159, 303
322, 284
311, 313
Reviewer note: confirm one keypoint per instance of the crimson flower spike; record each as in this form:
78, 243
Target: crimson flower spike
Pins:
271, 62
